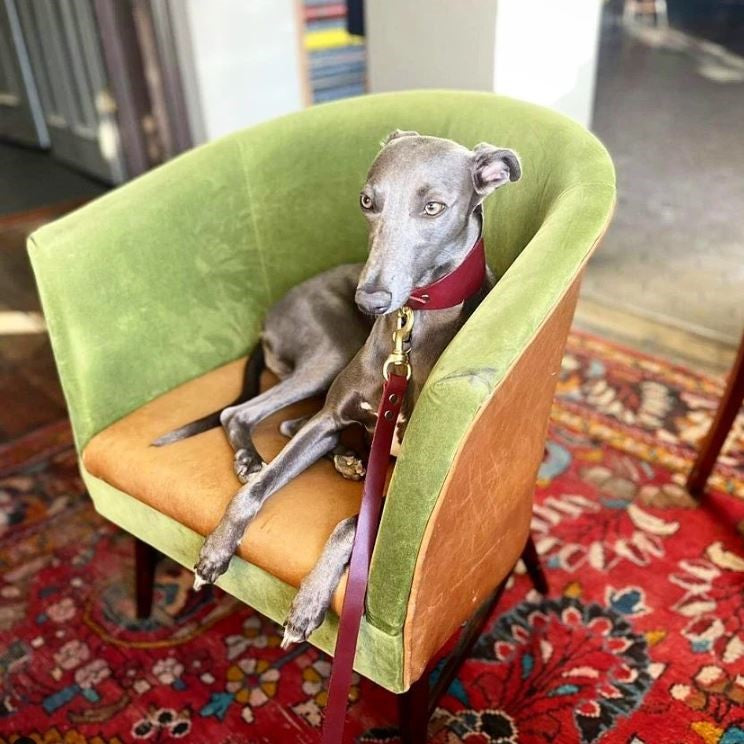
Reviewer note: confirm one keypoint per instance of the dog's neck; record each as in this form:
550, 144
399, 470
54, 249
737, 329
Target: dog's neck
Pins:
454, 253
433, 329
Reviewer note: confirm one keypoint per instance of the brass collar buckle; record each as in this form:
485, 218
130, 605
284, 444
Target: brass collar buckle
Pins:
401, 344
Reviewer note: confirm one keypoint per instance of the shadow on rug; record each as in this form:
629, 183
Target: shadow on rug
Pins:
640, 642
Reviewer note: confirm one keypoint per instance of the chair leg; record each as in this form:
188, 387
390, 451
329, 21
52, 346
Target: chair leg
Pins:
145, 560
417, 704
719, 429
413, 711
534, 567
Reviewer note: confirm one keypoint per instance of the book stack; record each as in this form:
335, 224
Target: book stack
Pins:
336, 58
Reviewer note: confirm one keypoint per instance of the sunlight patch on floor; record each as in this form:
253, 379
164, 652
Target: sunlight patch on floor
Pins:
13, 323
714, 61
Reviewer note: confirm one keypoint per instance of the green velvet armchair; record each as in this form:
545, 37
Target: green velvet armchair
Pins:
154, 293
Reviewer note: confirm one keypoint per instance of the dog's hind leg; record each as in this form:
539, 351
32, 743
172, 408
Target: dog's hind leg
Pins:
239, 421
348, 463
345, 460
314, 595
318, 437
249, 389
290, 427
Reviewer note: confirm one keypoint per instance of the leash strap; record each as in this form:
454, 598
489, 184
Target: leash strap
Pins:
393, 392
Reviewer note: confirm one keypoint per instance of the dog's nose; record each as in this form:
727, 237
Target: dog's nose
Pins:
374, 302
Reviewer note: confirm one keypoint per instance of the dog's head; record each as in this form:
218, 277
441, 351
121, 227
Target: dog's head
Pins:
419, 200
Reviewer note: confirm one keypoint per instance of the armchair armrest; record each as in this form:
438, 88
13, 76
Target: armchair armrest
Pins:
455, 523
151, 285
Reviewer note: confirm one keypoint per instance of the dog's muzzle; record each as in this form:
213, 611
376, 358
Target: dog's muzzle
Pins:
374, 302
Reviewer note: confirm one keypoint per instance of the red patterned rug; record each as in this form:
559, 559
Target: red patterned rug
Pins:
640, 642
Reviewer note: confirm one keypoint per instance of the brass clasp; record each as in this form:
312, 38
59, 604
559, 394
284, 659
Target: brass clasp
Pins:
401, 344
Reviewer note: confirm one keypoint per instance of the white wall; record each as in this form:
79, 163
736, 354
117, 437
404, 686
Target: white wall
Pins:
429, 44
240, 60
544, 51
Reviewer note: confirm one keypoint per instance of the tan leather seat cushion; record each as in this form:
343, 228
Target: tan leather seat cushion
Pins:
192, 481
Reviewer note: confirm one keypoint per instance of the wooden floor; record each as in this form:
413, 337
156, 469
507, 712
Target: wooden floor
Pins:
33, 179
30, 394
674, 251
689, 349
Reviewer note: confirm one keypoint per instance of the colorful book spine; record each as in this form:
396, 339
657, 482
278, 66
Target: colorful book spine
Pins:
336, 58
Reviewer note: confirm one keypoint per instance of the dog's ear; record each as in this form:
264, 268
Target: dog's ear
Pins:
493, 167
397, 134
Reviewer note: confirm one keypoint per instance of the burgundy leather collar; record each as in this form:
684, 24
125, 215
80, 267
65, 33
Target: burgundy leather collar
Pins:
457, 286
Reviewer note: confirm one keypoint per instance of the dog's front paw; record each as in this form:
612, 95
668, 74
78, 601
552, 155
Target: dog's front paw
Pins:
212, 563
246, 464
305, 615
350, 466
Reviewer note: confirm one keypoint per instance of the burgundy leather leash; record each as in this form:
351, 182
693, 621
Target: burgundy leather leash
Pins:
456, 287
356, 587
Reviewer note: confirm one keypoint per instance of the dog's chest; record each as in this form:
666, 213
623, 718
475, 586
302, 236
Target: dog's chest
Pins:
368, 419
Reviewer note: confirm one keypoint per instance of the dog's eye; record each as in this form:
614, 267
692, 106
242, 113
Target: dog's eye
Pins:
365, 201
434, 208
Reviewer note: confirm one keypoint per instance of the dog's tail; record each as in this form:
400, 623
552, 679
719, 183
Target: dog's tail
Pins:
251, 388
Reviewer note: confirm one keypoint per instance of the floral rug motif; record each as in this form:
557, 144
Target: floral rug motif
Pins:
641, 640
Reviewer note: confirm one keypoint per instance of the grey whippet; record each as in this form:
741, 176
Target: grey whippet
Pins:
422, 203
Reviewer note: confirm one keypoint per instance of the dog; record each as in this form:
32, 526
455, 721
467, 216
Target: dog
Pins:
422, 202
